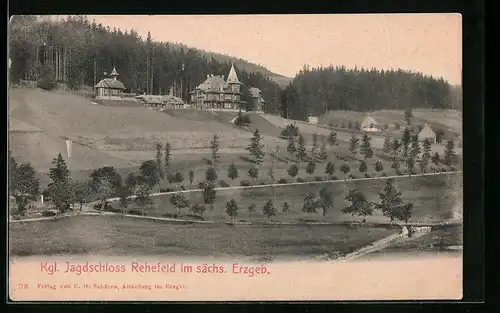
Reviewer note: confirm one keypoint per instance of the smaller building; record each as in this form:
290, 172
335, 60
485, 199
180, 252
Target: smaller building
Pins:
427, 133
369, 125
312, 119
109, 88
256, 100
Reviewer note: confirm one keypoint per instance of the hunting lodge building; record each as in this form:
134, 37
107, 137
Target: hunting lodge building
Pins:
215, 93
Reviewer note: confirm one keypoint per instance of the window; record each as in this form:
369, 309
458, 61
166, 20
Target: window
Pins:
227, 105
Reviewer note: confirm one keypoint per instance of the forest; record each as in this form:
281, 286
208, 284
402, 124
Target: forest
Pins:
318, 90
81, 52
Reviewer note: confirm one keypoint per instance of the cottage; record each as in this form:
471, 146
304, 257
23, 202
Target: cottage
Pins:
257, 102
215, 93
312, 119
369, 124
150, 100
109, 88
427, 133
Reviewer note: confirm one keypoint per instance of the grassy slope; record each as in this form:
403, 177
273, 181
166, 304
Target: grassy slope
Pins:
111, 235
449, 121
434, 199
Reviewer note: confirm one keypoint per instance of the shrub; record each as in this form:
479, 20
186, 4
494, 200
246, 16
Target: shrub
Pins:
290, 131
319, 178
300, 180
398, 171
47, 79
362, 167
453, 169
137, 212
182, 187
242, 120
352, 176
334, 178
282, 181
245, 183
379, 167
166, 189
397, 126
350, 124
342, 125
444, 169
201, 185
367, 175
222, 183
345, 168
48, 213
383, 174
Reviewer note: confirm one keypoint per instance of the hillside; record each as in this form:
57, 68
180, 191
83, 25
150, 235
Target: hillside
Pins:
239, 63
41, 121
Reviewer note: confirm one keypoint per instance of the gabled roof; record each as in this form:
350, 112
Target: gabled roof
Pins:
172, 99
254, 92
110, 83
368, 121
232, 78
426, 132
213, 83
150, 99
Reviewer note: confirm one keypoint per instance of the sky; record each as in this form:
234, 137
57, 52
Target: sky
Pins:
426, 43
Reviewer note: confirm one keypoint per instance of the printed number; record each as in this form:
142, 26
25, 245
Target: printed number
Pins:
23, 286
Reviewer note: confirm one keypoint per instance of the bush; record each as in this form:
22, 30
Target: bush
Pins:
182, 187
48, 213
350, 124
367, 175
319, 178
342, 125
300, 180
166, 189
201, 185
282, 181
245, 183
170, 215
290, 131
222, 183
242, 120
383, 174
334, 178
397, 126
352, 176
47, 79
398, 171
379, 166
137, 212
444, 169
453, 169
345, 168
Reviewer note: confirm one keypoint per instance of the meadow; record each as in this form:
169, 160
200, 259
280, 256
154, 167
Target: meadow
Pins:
117, 236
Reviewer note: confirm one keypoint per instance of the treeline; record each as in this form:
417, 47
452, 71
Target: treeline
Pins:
317, 90
80, 52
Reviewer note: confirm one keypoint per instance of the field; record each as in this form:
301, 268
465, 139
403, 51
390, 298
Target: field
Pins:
112, 235
435, 198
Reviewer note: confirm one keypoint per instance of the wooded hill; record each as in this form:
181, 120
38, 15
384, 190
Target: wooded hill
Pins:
317, 90
80, 52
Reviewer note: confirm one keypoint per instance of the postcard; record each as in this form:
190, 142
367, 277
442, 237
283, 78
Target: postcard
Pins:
235, 157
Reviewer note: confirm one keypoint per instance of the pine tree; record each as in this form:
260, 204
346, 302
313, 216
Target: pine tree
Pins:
301, 151
426, 156
395, 148
232, 209
255, 148
59, 189
142, 198
211, 175
214, 146
251, 208
269, 210
406, 142
293, 170
326, 200
323, 155
167, 156
314, 149
286, 207
209, 194
391, 203
232, 172
449, 153
191, 177
158, 159
436, 159
379, 167
311, 167
310, 204
253, 172
387, 145
363, 167
353, 146
290, 148
332, 139
408, 116
330, 169
366, 148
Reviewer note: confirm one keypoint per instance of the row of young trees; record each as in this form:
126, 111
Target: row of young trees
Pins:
390, 204
84, 50
318, 90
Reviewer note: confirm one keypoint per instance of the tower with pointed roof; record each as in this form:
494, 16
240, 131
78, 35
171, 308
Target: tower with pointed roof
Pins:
233, 81
114, 74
